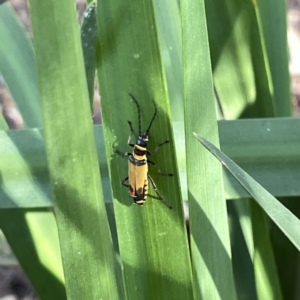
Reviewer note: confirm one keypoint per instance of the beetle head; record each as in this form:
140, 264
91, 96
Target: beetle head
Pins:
143, 140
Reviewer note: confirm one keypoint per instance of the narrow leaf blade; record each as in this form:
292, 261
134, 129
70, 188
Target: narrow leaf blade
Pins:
86, 245
281, 216
211, 253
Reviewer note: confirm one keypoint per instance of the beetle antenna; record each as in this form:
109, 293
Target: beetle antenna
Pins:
155, 112
139, 112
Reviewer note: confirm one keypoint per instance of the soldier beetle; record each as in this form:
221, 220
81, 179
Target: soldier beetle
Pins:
138, 176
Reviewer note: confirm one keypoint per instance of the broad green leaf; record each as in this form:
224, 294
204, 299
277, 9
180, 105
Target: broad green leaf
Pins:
129, 61
17, 65
267, 149
282, 217
84, 234
210, 244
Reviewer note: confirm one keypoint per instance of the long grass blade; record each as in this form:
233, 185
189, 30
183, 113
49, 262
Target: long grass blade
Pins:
211, 254
272, 16
282, 217
32, 234
86, 244
152, 238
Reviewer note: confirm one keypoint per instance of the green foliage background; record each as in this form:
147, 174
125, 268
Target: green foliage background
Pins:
200, 61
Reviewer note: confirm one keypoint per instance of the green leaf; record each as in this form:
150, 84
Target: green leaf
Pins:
88, 39
169, 30
239, 62
211, 253
267, 281
274, 27
36, 247
35, 233
286, 254
129, 61
23, 153
24, 170
267, 149
281, 216
238, 49
86, 245
17, 64
242, 248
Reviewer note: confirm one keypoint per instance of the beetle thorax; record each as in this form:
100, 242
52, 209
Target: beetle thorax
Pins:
139, 152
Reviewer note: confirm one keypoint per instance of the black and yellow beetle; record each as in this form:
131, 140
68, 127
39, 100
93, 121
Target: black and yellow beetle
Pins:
138, 163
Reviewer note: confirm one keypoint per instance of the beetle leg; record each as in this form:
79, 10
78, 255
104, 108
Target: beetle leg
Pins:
157, 192
158, 170
157, 147
121, 153
124, 180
